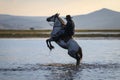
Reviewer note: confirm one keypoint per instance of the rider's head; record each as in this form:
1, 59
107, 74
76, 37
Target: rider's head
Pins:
68, 17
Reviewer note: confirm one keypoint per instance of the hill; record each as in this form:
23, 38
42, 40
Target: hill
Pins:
100, 19
22, 22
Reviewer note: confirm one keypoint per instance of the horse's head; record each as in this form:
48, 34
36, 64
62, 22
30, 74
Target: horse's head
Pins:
58, 23
53, 18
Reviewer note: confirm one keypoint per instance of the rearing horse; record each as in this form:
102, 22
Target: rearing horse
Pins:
74, 50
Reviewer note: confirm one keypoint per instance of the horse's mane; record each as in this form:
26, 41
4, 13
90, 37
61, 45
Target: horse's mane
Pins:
63, 23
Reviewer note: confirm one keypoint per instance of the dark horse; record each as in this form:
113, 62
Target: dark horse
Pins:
74, 50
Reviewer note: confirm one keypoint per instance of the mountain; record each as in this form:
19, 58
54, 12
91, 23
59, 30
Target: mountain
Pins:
100, 19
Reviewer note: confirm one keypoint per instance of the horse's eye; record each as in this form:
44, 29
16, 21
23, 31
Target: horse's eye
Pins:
47, 19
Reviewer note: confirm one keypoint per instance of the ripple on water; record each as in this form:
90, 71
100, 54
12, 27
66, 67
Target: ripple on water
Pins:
59, 66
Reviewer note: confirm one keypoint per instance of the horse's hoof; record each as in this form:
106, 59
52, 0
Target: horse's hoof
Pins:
78, 62
52, 47
77, 67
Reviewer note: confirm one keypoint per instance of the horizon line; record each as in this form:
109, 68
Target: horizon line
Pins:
61, 16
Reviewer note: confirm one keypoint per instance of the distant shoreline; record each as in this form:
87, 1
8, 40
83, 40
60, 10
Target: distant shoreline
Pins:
46, 33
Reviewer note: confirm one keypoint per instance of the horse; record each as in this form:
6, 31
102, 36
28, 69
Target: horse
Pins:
74, 50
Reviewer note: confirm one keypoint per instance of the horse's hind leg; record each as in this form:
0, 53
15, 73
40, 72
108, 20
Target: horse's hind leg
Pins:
75, 55
79, 56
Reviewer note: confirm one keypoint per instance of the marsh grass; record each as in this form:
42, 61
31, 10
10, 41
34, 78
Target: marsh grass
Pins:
46, 33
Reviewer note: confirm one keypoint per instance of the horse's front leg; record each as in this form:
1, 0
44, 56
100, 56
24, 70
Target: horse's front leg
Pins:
47, 42
50, 46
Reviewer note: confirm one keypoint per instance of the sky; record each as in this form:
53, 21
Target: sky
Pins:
50, 7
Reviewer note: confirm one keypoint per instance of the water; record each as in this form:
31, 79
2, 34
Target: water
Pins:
30, 59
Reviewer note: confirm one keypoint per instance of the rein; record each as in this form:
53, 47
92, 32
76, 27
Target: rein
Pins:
62, 22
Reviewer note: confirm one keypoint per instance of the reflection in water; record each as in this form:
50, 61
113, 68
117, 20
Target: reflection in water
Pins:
58, 66
62, 72
69, 72
57, 71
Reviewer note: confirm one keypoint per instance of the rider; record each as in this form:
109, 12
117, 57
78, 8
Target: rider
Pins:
68, 30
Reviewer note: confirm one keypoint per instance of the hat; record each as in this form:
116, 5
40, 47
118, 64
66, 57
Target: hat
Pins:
68, 17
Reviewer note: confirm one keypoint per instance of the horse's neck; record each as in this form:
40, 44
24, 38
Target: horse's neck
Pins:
57, 23
56, 28
55, 31
62, 22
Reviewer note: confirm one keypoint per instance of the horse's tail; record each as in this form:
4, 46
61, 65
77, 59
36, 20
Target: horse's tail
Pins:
80, 53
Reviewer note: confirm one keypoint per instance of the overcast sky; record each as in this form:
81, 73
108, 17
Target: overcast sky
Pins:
49, 7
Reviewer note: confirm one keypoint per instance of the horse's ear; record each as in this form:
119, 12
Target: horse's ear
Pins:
57, 14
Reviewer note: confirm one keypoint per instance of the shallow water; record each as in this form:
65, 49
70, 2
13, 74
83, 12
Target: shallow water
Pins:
30, 59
